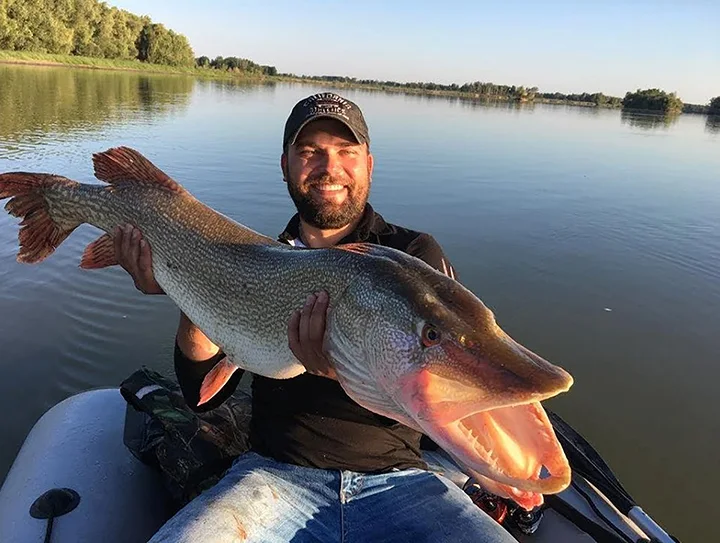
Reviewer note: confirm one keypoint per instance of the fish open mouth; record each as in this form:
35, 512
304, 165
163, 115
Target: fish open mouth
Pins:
509, 446
514, 450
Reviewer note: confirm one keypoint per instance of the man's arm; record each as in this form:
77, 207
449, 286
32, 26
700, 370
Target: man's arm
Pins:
195, 355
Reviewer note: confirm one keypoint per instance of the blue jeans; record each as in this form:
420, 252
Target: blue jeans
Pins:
260, 500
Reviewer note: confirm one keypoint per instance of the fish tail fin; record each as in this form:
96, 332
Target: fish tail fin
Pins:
216, 379
40, 232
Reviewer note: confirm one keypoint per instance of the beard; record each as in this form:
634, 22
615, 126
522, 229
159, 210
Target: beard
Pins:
327, 214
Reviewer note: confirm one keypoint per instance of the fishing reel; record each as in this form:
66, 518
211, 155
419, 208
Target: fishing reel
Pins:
505, 512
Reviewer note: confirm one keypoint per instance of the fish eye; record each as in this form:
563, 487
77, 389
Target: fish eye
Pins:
430, 335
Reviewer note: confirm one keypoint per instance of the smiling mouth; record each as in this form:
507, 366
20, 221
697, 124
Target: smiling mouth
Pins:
330, 189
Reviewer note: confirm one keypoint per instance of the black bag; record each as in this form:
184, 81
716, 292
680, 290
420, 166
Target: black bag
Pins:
191, 450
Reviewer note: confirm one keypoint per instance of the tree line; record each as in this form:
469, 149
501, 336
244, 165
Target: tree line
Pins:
649, 100
89, 28
235, 64
475, 89
597, 98
654, 100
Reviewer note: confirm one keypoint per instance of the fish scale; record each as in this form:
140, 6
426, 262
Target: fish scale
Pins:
406, 341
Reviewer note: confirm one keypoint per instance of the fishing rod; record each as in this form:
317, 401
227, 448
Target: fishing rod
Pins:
586, 461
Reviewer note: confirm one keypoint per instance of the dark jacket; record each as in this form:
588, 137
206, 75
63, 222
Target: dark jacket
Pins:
310, 420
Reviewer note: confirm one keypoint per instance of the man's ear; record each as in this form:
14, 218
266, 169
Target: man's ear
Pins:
283, 166
371, 164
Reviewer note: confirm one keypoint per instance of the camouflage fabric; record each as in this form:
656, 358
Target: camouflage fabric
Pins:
191, 450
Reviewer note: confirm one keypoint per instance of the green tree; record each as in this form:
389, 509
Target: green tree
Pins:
84, 20
8, 26
653, 100
714, 106
159, 45
90, 28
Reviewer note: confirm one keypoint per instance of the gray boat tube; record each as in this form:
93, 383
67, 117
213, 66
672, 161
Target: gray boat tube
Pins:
77, 447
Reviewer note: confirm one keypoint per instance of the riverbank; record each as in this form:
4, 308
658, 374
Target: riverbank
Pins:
47, 59
433, 93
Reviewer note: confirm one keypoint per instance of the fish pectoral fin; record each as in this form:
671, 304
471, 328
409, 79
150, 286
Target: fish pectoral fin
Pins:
99, 254
122, 164
216, 379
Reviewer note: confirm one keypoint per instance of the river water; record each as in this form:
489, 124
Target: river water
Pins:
593, 235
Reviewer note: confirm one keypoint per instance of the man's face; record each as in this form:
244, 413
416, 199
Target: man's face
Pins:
328, 174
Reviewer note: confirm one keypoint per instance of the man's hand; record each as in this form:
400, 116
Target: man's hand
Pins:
133, 254
306, 330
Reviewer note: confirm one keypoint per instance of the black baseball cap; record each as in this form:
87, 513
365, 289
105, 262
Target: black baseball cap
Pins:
326, 105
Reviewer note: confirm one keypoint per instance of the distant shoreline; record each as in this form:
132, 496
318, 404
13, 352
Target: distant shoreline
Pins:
440, 93
92, 63
68, 65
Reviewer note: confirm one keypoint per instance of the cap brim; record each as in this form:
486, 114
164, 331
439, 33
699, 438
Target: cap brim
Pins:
323, 116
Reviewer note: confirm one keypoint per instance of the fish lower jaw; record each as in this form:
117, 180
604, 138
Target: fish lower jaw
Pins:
485, 462
481, 458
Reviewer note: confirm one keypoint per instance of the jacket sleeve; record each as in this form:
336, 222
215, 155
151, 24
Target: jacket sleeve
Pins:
190, 375
426, 248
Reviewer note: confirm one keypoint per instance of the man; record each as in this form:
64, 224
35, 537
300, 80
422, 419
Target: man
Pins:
321, 467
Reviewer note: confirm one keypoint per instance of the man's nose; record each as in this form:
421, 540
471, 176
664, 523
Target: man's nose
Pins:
329, 163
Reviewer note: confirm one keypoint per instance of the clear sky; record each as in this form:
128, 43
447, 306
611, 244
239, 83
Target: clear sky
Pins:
608, 46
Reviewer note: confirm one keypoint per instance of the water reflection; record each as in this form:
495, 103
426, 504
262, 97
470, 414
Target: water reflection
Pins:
712, 124
648, 121
37, 101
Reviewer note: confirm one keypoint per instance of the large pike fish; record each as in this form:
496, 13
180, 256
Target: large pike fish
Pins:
406, 341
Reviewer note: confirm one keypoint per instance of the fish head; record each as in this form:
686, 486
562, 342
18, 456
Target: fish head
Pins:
449, 370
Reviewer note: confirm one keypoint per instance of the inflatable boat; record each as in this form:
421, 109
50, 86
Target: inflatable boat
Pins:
74, 480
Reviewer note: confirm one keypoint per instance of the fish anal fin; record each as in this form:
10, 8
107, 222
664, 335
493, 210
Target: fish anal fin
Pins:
123, 164
99, 254
216, 379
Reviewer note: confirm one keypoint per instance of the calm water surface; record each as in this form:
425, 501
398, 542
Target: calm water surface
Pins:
593, 235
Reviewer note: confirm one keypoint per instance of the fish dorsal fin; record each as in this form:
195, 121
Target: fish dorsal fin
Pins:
372, 249
125, 165
359, 248
397, 256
